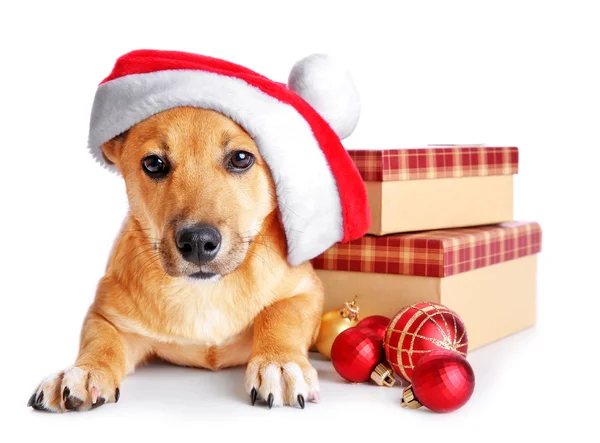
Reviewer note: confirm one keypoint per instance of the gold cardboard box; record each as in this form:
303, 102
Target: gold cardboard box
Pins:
494, 302
437, 188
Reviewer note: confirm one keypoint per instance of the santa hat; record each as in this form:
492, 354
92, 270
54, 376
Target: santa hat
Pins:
297, 128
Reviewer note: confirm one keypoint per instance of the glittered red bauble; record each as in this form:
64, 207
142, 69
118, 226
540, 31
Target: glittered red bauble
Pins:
377, 323
355, 353
419, 329
442, 381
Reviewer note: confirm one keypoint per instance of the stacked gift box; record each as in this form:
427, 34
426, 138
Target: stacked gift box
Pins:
441, 231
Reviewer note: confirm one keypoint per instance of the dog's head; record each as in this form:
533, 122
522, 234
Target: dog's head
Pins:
198, 185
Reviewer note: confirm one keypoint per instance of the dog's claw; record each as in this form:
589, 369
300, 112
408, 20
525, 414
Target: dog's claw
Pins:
37, 405
117, 395
270, 400
301, 400
66, 393
253, 395
31, 400
99, 402
72, 403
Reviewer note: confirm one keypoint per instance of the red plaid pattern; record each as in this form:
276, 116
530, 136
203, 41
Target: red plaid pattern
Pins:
428, 163
434, 253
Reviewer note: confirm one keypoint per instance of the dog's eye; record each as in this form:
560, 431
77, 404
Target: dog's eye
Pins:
155, 166
240, 161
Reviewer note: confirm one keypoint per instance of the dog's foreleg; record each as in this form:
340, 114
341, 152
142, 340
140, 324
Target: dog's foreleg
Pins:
279, 371
95, 377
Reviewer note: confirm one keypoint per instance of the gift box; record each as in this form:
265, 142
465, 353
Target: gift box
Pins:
486, 274
437, 188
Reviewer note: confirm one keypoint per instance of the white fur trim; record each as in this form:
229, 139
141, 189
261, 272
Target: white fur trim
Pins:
328, 87
306, 189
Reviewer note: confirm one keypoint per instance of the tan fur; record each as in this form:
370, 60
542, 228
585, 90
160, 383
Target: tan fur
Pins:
262, 310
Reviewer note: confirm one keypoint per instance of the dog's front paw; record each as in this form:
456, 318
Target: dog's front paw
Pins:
74, 389
288, 380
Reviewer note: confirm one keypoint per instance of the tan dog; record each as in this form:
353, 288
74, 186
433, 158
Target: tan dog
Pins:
198, 275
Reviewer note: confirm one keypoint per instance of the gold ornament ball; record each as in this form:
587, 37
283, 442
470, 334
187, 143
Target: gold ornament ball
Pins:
333, 323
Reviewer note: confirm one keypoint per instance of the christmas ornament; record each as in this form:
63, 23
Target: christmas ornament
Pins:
318, 106
355, 353
419, 329
377, 323
442, 381
334, 322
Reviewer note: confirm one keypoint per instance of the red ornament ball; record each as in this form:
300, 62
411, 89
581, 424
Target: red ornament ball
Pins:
442, 381
377, 323
355, 353
419, 329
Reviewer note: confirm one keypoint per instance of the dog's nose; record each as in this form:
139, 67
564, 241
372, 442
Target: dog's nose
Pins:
199, 243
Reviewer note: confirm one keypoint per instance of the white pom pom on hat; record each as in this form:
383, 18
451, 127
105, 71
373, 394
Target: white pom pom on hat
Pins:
328, 87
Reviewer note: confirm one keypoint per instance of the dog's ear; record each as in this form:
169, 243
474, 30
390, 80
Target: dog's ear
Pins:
111, 150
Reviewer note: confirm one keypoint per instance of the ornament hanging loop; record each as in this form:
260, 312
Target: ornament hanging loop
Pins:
350, 310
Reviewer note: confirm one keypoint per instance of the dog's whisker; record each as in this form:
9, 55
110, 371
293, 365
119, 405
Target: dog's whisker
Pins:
142, 238
131, 251
146, 265
243, 235
262, 236
227, 218
292, 212
265, 245
143, 252
149, 240
295, 230
137, 247
135, 230
262, 259
147, 249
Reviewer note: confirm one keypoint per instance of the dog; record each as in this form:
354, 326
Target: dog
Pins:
198, 275
234, 183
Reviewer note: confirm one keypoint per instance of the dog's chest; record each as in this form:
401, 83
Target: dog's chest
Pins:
206, 317
209, 323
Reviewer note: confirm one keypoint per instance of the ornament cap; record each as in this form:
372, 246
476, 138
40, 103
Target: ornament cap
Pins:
409, 400
350, 310
382, 375
333, 323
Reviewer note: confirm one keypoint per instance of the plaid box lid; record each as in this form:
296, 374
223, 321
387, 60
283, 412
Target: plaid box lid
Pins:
434, 253
435, 162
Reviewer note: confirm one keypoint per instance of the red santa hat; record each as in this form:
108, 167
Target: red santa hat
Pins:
297, 128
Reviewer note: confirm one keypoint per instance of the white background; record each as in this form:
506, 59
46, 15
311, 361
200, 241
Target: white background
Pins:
518, 73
